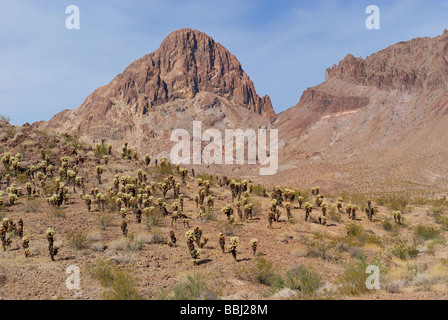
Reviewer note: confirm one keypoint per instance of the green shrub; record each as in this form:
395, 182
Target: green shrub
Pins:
105, 220
260, 271
260, 191
304, 279
120, 285
353, 280
78, 240
425, 233
193, 287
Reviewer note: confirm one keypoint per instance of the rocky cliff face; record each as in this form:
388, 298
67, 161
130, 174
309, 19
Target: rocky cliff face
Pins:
189, 74
416, 65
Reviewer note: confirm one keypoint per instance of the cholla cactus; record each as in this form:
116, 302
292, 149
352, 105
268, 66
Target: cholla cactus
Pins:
174, 218
138, 216
124, 227
6, 242
300, 200
248, 211
319, 200
271, 217
181, 200
234, 241
190, 243
99, 172
288, 211
26, 245
222, 241
88, 200
186, 222
254, 245
197, 234
228, 211
123, 213
397, 217
339, 204
147, 160
173, 239
53, 250
19, 230
308, 209
203, 242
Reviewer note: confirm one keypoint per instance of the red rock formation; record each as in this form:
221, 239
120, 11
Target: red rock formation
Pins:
416, 65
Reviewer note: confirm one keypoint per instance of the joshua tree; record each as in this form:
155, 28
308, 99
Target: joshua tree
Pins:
190, 243
222, 241
53, 250
172, 239
254, 244
234, 241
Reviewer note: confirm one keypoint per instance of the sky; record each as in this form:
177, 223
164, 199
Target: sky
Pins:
284, 46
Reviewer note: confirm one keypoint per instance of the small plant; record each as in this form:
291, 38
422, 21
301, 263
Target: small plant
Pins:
222, 241
78, 240
190, 243
124, 227
234, 241
254, 245
172, 239
53, 250
26, 245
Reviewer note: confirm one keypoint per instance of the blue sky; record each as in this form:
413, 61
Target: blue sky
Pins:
284, 46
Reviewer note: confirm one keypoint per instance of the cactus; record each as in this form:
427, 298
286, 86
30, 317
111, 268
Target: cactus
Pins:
288, 211
308, 209
197, 235
203, 242
228, 211
397, 217
53, 250
234, 241
222, 241
190, 243
254, 245
173, 239
124, 227
26, 245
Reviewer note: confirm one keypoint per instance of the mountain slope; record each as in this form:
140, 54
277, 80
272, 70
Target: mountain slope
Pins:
190, 77
375, 124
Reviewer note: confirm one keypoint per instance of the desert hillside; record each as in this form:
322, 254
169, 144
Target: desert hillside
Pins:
138, 228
